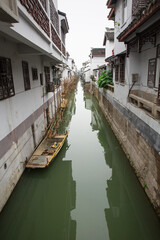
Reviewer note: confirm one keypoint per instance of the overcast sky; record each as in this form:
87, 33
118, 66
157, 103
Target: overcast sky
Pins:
87, 21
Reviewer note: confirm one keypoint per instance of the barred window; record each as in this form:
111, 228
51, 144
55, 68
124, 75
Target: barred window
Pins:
41, 78
34, 74
151, 72
158, 50
26, 78
47, 74
122, 69
6, 79
116, 72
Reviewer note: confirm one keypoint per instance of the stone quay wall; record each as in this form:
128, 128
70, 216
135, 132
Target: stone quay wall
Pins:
137, 140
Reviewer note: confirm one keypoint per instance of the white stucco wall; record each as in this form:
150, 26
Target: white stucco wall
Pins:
109, 48
15, 110
120, 46
95, 62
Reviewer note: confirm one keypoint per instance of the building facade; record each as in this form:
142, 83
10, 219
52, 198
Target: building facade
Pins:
133, 106
32, 56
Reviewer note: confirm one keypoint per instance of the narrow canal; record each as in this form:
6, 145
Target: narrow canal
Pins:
90, 192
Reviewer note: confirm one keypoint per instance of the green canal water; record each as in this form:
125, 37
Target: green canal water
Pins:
89, 192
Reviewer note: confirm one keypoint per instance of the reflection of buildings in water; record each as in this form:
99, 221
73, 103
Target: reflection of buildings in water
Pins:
64, 198
129, 210
104, 134
130, 214
42, 203
69, 112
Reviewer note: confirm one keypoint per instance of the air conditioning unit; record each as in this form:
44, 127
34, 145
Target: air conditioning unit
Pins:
135, 77
9, 11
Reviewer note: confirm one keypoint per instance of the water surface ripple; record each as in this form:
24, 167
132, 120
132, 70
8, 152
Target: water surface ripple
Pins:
90, 192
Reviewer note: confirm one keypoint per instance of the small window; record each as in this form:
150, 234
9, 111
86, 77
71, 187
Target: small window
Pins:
41, 78
6, 79
151, 72
116, 72
25, 68
122, 69
158, 51
34, 74
47, 74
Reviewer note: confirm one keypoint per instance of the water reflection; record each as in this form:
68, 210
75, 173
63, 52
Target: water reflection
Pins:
89, 192
41, 204
129, 215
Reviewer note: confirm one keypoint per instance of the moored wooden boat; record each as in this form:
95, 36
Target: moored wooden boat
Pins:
46, 151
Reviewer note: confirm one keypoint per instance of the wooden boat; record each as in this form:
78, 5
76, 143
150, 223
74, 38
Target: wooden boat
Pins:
46, 151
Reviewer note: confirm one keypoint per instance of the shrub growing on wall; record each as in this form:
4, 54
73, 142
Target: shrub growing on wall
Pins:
105, 79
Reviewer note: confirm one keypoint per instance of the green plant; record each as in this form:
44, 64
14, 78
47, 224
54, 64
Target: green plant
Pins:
117, 24
105, 79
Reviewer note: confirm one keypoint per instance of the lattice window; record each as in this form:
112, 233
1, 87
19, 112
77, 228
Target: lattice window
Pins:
138, 6
116, 72
34, 74
54, 16
6, 79
44, 4
47, 74
122, 69
151, 72
26, 78
35, 9
158, 50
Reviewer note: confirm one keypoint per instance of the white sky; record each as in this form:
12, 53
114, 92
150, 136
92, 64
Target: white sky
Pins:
87, 21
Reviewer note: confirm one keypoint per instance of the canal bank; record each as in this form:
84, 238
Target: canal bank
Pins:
89, 192
138, 139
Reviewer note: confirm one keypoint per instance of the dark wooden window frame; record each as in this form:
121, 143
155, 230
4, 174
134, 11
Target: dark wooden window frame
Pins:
34, 74
6, 79
158, 50
116, 73
47, 74
154, 70
41, 78
122, 69
25, 68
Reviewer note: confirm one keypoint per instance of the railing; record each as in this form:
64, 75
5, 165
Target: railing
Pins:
138, 6
110, 87
145, 101
55, 38
34, 8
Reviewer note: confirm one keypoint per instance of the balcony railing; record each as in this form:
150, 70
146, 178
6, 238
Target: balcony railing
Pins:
146, 101
55, 38
138, 6
35, 9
